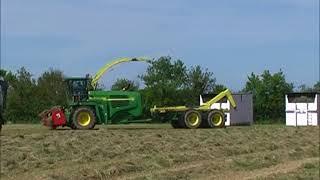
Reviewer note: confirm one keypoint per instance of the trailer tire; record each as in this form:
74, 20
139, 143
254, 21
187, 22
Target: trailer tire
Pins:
175, 124
204, 123
192, 119
216, 119
180, 122
83, 118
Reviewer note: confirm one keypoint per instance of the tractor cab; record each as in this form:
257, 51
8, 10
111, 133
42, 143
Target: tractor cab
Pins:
78, 88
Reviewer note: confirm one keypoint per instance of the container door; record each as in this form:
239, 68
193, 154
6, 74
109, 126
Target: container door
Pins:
291, 116
302, 114
312, 118
312, 112
312, 107
290, 106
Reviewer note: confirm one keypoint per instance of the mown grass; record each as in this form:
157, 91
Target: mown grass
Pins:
152, 151
308, 171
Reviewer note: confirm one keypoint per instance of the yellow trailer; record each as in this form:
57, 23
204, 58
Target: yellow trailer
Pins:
198, 117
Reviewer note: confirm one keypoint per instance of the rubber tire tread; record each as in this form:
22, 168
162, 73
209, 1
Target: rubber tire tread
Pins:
204, 123
221, 114
76, 125
175, 124
186, 115
181, 122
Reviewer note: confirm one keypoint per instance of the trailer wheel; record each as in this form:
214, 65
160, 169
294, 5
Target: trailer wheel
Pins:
175, 124
204, 124
83, 118
192, 119
216, 119
180, 122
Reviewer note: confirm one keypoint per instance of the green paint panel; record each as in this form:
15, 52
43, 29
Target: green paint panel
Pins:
113, 107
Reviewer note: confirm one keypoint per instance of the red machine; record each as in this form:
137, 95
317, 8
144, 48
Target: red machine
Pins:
54, 117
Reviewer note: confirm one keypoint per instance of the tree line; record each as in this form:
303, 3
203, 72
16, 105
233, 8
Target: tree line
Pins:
166, 82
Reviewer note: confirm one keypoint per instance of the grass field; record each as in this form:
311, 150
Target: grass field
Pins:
160, 152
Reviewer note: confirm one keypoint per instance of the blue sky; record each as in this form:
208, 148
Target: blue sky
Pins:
231, 38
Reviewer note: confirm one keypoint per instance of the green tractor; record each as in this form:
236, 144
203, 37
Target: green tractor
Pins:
89, 106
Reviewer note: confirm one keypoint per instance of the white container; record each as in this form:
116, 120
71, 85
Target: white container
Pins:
302, 109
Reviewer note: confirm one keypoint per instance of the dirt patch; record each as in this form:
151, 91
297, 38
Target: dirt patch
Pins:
155, 152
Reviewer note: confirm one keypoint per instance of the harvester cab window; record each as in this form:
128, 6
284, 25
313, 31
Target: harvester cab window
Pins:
78, 89
79, 85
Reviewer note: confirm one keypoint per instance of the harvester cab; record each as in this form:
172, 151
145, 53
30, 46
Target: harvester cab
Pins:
78, 88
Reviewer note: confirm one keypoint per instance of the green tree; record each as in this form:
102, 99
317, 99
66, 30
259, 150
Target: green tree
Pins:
199, 81
51, 89
268, 94
3, 73
218, 88
22, 99
27, 97
165, 81
316, 87
8, 76
125, 84
305, 88
170, 83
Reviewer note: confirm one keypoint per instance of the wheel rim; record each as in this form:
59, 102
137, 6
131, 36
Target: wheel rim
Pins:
84, 118
216, 119
193, 119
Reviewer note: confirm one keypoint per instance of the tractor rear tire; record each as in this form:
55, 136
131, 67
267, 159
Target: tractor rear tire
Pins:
216, 119
192, 119
83, 118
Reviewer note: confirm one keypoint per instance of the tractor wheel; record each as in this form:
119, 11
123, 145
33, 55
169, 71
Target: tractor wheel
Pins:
83, 118
216, 119
175, 124
192, 119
